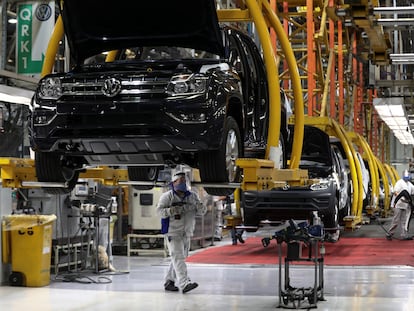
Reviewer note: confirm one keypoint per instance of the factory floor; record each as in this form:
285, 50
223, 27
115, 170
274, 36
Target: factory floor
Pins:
137, 284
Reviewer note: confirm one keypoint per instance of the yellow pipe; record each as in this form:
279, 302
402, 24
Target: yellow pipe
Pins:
372, 164
272, 77
390, 173
52, 47
323, 112
110, 57
354, 168
396, 175
237, 201
323, 21
296, 85
358, 171
5, 245
385, 183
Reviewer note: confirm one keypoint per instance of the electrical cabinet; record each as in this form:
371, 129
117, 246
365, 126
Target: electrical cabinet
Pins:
143, 205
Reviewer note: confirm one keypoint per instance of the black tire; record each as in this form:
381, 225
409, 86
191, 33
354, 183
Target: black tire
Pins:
17, 279
311, 298
331, 222
50, 168
139, 173
346, 211
220, 165
251, 222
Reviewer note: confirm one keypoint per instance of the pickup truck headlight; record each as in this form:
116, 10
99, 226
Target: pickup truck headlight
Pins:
321, 185
187, 84
50, 88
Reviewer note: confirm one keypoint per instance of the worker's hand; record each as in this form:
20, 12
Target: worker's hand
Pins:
176, 210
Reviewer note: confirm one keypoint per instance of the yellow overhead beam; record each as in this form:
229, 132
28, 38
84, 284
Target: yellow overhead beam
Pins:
21, 173
16, 170
234, 15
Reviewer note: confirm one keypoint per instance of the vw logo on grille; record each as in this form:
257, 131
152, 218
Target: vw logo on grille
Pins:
111, 87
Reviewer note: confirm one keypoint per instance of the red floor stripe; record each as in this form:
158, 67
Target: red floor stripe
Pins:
346, 252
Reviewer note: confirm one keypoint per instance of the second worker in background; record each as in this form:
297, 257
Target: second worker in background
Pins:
401, 204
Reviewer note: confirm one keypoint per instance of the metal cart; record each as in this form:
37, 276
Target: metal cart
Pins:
297, 237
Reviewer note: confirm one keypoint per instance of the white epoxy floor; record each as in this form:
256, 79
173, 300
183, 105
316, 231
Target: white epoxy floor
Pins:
138, 285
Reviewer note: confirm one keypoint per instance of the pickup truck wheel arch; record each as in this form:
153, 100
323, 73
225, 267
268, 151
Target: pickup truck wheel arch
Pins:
49, 168
219, 165
139, 173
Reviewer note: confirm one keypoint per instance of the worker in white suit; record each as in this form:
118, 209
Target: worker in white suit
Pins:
401, 203
178, 208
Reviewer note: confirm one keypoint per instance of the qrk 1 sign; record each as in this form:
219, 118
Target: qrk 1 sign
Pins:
35, 22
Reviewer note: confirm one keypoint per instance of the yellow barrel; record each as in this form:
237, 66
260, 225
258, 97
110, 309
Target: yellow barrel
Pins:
27, 245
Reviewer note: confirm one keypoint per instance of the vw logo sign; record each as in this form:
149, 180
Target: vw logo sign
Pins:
111, 87
43, 12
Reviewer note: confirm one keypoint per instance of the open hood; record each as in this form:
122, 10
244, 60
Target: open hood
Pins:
95, 26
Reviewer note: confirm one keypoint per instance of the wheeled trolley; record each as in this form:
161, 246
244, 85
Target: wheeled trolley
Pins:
298, 238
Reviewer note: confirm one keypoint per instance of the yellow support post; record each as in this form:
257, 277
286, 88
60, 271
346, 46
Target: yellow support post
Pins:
296, 84
272, 77
373, 169
390, 173
396, 175
386, 208
52, 47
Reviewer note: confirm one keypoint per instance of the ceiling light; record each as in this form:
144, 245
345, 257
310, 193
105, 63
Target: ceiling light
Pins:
15, 95
391, 111
403, 58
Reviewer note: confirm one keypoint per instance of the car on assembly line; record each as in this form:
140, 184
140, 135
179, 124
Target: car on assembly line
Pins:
325, 192
180, 90
344, 178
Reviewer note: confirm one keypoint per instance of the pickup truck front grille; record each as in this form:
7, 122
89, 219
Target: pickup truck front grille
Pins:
130, 86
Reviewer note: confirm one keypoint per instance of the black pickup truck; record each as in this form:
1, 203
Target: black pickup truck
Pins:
323, 193
180, 90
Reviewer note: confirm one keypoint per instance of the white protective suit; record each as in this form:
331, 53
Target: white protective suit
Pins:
402, 209
182, 221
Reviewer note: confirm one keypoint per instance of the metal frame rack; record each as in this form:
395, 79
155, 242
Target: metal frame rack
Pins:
296, 236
